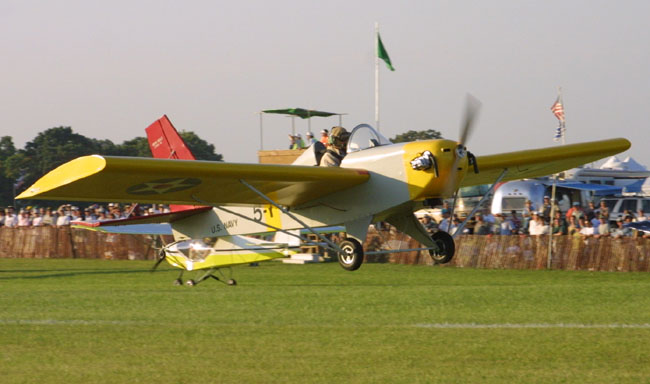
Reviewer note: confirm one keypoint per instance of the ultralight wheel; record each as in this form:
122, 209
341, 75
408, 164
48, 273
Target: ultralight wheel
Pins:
190, 283
232, 282
352, 255
446, 247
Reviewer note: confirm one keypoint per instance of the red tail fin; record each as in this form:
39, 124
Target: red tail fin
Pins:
165, 142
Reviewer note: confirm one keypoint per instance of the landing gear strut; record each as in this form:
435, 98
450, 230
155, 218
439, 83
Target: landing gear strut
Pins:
208, 274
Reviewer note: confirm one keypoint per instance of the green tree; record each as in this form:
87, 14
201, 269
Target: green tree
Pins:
200, 148
7, 150
137, 147
429, 134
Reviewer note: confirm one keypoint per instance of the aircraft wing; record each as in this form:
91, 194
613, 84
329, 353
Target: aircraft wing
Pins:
145, 180
541, 162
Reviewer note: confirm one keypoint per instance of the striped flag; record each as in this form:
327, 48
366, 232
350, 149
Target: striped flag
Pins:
558, 110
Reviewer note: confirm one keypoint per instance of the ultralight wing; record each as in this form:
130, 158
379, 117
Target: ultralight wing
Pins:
145, 180
541, 162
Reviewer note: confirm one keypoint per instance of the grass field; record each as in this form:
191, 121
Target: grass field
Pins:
88, 321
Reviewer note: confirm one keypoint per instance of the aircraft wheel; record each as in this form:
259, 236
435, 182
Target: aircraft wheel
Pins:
190, 283
178, 282
232, 282
446, 247
352, 255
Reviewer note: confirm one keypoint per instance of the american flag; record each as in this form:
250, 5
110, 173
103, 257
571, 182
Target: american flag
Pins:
558, 110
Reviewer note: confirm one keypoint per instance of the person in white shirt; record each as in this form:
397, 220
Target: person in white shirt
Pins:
537, 226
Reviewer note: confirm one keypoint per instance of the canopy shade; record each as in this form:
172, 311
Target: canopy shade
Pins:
300, 112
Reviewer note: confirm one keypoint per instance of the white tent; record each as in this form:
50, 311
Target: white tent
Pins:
629, 164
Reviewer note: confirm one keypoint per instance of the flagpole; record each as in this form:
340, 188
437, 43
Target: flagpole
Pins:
377, 75
553, 189
559, 95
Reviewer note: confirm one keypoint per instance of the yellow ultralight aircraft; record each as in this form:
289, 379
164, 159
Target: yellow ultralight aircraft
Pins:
377, 181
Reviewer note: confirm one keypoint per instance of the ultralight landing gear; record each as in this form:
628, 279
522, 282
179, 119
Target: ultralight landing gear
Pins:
446, 247
352, 255
207, 275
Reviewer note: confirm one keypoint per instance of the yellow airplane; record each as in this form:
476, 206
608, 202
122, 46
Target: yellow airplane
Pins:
376, 181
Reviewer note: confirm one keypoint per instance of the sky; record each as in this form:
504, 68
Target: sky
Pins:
109, 69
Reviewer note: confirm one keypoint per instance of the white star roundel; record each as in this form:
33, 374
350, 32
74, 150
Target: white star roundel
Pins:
162, 186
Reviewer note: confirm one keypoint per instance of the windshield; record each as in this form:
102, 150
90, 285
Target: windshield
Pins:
364, 136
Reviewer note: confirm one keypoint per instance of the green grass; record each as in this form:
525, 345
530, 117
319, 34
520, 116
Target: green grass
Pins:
85, 321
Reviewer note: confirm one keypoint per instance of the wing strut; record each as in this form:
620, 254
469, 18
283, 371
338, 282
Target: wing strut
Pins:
462, 225
291, 215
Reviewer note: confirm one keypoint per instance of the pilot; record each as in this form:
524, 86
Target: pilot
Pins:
336, 151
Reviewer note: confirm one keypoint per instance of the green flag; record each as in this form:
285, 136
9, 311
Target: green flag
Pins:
382, 54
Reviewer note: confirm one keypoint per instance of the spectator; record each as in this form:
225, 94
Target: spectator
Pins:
538, 226
640, 216
11, 220
586, 229
48, 218
309, 138
455, 223
300, 144
89, 215
559, 227
506, 226
37, 220
489, 217
576, 210
292, 141
529, 208
603, 226
445, 223
603, 210
324, 137
590, 211
101, 214
574, 226
481, 227
75, 214
620, 230
428, 223
2, 217
516, 223
63, 217
24, 219
525, 222
545, 212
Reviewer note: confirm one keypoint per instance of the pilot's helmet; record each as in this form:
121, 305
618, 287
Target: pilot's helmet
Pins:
339, 135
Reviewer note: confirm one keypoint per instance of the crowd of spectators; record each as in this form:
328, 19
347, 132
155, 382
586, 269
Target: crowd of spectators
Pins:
590, 221
66, 213
296, 141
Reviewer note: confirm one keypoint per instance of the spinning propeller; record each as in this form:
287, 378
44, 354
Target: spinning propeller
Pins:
161, 257
472, 107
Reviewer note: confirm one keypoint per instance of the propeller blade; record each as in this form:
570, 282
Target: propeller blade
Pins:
161, 257
472, 107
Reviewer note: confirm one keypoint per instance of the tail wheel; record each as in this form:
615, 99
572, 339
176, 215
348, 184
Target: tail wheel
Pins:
446, 247
352, 255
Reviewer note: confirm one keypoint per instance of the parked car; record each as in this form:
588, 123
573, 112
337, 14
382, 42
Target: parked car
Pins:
617, 205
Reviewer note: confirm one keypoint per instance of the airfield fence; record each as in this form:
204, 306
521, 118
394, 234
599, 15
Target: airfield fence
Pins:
67, 242
505, 252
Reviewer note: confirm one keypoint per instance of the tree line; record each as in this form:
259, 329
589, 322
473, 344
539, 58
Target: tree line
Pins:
20, 168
